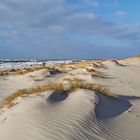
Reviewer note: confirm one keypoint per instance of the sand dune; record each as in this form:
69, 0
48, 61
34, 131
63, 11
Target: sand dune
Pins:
78, 114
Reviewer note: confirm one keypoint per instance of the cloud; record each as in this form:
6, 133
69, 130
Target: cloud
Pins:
89, 3
121, 14
90, 23
46, 27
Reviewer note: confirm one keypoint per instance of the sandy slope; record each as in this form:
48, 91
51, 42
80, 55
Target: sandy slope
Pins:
83, 114
42, 118
9, 84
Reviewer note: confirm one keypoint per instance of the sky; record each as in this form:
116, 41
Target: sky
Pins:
69, 29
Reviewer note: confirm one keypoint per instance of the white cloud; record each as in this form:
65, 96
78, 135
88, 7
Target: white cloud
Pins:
91, 3
121, 14
29, 24
58, 16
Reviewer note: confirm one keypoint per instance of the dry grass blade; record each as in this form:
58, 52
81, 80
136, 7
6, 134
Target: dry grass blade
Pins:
117, 63
96, 73
74, 84
28, 70
35, 90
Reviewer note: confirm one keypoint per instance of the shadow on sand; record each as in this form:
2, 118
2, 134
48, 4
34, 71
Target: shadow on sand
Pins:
54, 72
58, 96
108, 108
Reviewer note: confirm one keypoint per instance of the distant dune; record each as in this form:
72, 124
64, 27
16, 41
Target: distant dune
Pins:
87, 100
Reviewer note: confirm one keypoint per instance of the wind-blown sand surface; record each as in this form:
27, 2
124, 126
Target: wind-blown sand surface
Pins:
82, 113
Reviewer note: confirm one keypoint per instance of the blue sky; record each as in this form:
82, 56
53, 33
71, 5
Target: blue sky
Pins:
69, 29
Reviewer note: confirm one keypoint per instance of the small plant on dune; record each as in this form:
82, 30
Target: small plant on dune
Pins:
93, 86
95, 65
74, 84
90, 70
2, 73
34, 90
77, 83
28, 70
10, 99
117, 63
80, 64
21, 71
96, 73
68, 66
99, 64
98, 88
13, 70
72, 67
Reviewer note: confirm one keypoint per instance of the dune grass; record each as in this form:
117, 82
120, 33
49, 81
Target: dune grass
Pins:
138, 56
59, 86
99, 64
82, 64
74, 83
21, 71
95, 73
34, 90
117, 63
77, 83
98, 74
4, 72
28, 70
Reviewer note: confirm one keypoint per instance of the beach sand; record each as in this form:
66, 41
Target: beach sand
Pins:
79, 114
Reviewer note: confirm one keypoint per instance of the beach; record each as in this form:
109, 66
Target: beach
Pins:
85, 100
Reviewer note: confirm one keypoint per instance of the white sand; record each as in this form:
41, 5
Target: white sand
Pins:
83, 115
11, 83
